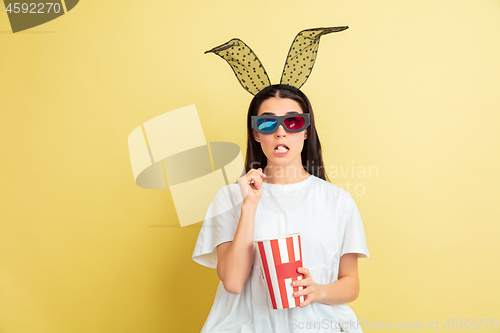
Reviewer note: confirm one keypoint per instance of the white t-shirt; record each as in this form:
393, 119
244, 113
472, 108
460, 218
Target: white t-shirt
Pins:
330, 225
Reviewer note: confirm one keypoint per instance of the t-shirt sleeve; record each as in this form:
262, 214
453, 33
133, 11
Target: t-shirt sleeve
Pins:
219, 226
354, 240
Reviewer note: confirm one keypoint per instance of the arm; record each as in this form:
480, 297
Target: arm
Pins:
346, 288
235, 259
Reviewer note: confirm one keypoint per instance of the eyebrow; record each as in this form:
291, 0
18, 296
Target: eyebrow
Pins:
271, 113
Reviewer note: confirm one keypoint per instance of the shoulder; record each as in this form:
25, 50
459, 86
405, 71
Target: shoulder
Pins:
332, 191
232, 190
229, 195
227, 189
226, 202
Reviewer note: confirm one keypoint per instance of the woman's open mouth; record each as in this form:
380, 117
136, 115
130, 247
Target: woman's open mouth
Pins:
281, 150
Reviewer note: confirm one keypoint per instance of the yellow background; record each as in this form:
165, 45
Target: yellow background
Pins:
411, 88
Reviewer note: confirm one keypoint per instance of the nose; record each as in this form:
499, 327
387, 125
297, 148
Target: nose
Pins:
280, 131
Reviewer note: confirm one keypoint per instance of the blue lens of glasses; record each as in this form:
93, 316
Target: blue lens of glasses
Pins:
267, 124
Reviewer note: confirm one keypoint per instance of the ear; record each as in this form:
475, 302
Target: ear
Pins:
255, 135
306, 135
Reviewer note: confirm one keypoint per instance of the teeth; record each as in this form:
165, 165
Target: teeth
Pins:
281, 149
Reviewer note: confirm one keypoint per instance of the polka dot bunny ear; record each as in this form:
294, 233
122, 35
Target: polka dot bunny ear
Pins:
298, 66
302, 55
245, 64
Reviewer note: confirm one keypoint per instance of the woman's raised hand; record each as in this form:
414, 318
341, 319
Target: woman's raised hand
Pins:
251, 186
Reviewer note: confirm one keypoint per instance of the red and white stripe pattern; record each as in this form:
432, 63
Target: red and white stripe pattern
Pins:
279, 260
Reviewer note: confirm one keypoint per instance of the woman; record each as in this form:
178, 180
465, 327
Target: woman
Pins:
287, 193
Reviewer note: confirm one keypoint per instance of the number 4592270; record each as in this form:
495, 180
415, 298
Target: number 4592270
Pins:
463, 323
33, 8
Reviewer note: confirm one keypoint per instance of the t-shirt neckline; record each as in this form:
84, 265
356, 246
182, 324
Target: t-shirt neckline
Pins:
292, 186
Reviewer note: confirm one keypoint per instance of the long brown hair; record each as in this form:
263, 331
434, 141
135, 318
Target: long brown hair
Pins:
312, 159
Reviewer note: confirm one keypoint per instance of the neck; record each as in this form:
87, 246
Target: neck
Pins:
288, 174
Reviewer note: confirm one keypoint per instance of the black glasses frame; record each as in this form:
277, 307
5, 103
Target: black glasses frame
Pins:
281, 121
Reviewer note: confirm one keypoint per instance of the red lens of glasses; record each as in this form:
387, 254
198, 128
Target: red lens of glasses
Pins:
295, 123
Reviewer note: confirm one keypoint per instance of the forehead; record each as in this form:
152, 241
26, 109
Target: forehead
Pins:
279, 106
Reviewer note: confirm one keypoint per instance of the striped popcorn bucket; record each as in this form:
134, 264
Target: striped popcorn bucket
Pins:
279, 259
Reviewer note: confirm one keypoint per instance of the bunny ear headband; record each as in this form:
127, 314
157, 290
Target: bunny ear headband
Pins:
298, 66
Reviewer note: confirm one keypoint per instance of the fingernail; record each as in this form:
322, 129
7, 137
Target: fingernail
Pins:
294, 284
295, 294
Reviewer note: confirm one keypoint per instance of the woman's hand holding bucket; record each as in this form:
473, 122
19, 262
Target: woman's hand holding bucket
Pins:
311, 288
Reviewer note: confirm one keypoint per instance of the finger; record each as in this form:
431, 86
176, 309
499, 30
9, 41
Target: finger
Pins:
299, 283
304, 271
306, 302
257, 181
252, 176
306, 279
306, 291
303, 292
309, 290
259, 172
258, 178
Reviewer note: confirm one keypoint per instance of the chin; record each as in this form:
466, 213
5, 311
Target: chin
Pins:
280, 161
